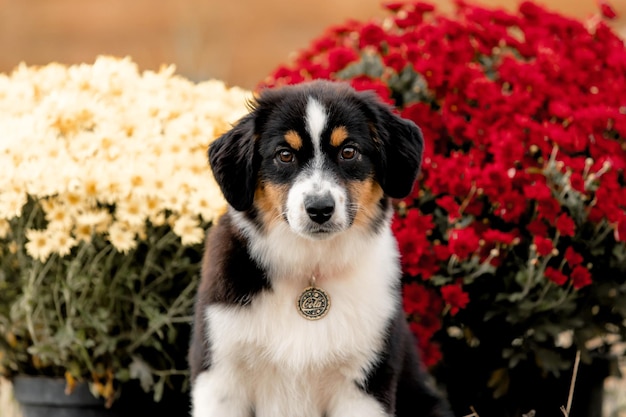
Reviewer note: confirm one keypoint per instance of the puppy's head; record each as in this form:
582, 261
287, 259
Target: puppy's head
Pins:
319, 156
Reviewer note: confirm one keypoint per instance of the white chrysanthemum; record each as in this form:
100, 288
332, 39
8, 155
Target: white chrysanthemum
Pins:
39, 244
11, 204
189, 230
61, 241
122, 237
108, 137
58, 216
90, 222
131, 211
83, 232
5, 227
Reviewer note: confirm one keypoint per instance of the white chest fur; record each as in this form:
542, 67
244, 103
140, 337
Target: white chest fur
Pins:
267, 357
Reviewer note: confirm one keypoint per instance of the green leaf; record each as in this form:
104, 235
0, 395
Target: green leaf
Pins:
551, 361
440, 280
158, 390
514, 297
370, 64
140, 370
123, 375
410, 86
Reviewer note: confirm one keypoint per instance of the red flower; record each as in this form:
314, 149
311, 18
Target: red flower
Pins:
411, 18
395, 60
371, 34
510, 206
416, 299
431, 354
491, 235
606, 10
548, 208
543, 246
340, 57
537, 227
454, 296
449, 204
555, 276
508, 163
581, 277
463, 242
394, 6
572, 257
442, 252
565, 225
577, 182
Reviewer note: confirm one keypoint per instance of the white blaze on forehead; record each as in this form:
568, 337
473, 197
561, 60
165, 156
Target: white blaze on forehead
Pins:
315, 122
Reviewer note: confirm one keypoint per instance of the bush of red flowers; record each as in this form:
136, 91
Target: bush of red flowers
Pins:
513, 241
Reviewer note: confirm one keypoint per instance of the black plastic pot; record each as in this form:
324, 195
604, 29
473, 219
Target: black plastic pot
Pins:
45, 397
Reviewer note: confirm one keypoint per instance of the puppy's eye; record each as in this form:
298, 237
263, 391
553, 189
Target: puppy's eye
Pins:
348, 153
285, 156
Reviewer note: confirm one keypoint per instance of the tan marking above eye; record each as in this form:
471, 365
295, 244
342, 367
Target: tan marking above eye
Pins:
293, 139
338, 135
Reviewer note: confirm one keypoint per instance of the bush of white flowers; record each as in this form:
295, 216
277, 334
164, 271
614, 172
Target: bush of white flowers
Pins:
105, 196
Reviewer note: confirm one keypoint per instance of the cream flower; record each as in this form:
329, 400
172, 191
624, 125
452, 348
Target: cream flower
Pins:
58, 216
189, 230
5, 227
87, 138
132, 211
122, 237
39, 244
61, 241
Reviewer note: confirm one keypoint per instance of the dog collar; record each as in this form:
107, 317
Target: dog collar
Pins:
313, 303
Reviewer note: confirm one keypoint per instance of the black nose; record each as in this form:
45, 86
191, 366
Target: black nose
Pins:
320, 208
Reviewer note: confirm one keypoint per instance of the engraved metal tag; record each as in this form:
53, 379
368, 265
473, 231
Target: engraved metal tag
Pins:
313, 303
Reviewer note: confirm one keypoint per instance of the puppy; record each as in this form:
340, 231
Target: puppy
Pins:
299, 311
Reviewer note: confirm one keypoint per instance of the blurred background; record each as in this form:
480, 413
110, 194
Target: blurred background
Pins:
237, 41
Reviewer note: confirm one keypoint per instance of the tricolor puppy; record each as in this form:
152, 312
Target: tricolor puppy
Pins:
299, 310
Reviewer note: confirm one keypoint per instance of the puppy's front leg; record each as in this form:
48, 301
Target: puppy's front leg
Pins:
353, 402
216, 393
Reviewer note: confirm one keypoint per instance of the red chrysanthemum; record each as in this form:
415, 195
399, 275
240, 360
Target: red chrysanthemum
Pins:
543, 246
572, 257
565, 225
581, 277
606, 9
454, 296
524, 154
555, 276
463, 242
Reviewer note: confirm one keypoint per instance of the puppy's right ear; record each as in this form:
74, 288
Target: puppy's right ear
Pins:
234, 164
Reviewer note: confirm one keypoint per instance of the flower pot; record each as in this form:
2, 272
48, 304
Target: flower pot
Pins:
45, 397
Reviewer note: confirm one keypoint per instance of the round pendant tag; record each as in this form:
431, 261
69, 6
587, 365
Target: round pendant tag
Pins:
313, 303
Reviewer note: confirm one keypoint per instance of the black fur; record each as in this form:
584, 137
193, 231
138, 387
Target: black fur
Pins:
399, 380
402, 147
235, 164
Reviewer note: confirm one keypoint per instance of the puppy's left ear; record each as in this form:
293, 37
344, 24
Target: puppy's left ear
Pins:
401, 145
234, 165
